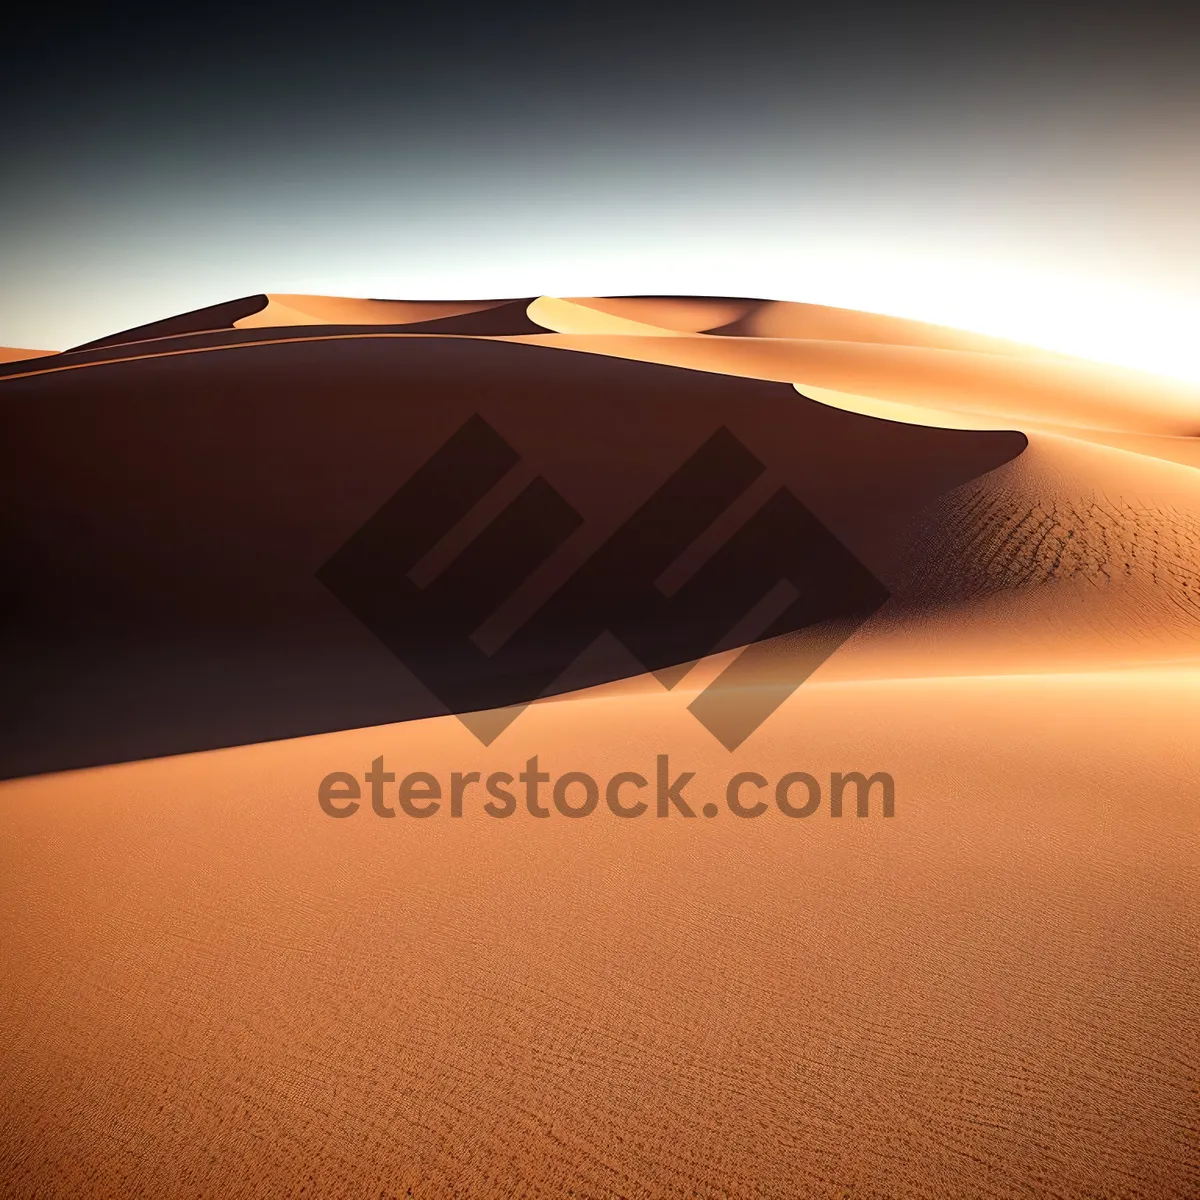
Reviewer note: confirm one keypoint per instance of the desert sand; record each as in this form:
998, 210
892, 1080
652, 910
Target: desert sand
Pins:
211, 987
16, 354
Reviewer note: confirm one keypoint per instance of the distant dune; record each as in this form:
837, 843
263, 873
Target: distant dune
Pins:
211, 987
16, 354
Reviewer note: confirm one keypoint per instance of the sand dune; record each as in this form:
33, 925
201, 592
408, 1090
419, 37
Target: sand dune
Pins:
186, 555
200, 320
1074, 557
1004, 388
284, 310
631, 314
730, 317
213, 988
818, 322
578, 316
16, 354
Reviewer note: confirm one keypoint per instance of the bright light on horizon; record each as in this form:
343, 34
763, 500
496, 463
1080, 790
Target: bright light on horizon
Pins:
1148, 324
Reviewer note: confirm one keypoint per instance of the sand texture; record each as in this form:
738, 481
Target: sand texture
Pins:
209, 987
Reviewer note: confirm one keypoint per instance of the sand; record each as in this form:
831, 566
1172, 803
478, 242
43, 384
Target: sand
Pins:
282, 310
213, 988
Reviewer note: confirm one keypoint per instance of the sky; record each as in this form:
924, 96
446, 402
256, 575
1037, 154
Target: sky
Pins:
1032, 175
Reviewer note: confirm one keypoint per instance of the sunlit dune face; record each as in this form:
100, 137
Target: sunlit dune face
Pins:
283, 310
683, 314
911, 382
1099, 427
778, 319
579, 317
1148, 329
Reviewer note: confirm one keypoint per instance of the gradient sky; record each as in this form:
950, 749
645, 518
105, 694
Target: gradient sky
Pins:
1035, 175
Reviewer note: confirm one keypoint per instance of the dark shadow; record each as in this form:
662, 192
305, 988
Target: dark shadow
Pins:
199, 320
215, 549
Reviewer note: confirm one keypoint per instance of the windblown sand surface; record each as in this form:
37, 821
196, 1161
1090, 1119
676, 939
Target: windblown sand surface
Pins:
212, 988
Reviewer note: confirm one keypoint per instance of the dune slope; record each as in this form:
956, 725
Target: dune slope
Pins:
213, 987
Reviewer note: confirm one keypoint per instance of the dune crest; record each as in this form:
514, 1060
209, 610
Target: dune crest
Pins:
210, 319
1067, 392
